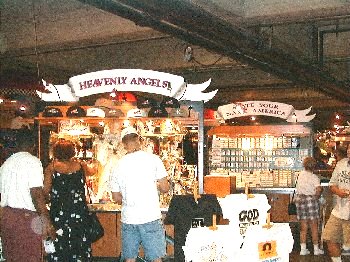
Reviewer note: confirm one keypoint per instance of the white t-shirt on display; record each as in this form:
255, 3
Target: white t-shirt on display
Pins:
267, 244
135, 177
205, 245
243, 212
18, 174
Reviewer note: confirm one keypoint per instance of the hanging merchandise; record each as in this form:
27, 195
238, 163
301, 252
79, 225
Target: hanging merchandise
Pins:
52, 112
185, 213
95, 112
272, 243
209, 113
104, 102
114, 113
73, 127
76, 111
135, 113
143, 102
178, 112
158, 111
125, 97
170, 102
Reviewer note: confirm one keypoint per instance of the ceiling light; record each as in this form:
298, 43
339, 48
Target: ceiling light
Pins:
188, 54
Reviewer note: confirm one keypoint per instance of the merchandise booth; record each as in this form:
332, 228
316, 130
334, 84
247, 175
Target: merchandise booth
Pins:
265, 158
99, 144
261, 162
172, 128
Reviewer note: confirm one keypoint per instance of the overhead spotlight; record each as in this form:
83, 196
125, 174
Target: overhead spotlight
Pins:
337, 116
253, 118
22, 108
188, 54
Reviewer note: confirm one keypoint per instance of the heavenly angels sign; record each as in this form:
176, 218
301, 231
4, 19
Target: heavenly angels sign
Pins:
126, 80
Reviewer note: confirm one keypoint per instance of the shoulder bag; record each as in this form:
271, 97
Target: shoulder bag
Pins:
292, 208
94, 227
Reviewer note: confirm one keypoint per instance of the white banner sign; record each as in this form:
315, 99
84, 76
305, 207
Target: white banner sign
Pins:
126, 80
266, 108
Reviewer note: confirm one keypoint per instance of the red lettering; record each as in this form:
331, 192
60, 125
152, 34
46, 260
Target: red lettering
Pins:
122, 80
82, 85
97, 82
142, 81
166, 84
89, 84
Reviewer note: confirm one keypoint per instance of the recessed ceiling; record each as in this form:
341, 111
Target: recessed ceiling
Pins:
286, 51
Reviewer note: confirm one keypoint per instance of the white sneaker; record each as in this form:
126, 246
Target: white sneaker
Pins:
304, 252
318, 252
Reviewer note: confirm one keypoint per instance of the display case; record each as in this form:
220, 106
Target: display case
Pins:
262, 156
98, 142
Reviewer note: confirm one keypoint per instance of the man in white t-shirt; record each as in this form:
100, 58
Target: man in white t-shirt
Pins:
25, 219
337, 228
135, 182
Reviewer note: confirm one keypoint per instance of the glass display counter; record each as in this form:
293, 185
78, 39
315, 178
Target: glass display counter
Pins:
266, 158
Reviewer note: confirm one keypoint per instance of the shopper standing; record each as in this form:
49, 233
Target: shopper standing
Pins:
25, 219
308, 192
64, 188
135, 182
337, 227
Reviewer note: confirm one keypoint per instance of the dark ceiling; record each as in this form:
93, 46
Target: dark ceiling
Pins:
289, 51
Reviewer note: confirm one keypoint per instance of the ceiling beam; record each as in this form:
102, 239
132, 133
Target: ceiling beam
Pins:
195, 25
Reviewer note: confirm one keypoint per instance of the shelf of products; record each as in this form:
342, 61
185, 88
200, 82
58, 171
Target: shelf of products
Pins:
262, 158
98, 142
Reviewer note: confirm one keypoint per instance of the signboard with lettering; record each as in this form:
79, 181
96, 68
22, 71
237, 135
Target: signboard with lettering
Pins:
126, 80
266, 108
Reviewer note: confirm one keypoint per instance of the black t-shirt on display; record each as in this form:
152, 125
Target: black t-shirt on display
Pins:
184, 212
